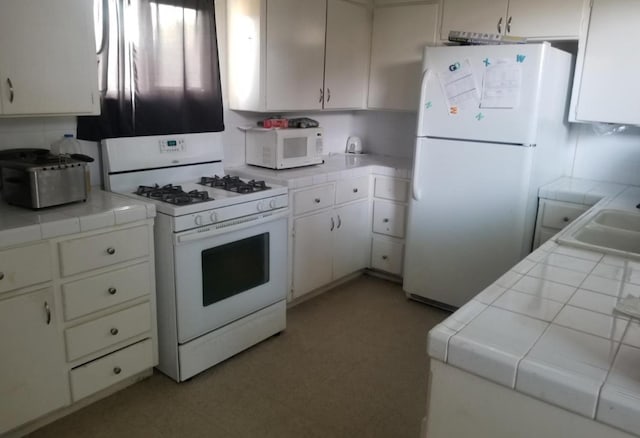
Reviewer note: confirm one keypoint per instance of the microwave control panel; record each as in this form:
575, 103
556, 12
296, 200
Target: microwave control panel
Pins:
172, 145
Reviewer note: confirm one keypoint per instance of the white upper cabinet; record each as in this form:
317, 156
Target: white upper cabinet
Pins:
539, 19
294, 55
399, 36
486, 16
606, 86
347, 55
48, 63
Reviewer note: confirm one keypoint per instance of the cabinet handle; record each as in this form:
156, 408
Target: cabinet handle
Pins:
509, 24
1, 275
117, 370
328, 94
339, 222
11, 93
321, 96
385, 220
114, 331
565, 219
333, 224
355, 190
111, 250
384, 257
317, 200
500, 25
112, 291
47, 311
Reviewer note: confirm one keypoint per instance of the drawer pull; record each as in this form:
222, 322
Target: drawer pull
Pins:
333, 224
47, 311
112, 291
565, 219
384, 257
111, 250
317, 200
1, 275
385, 220
114, 331
117, 370
355, 190
339, 221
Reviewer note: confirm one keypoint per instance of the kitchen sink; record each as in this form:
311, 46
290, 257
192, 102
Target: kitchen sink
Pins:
617, 219
612, 231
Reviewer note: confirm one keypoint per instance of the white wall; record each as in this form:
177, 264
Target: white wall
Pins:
614, 158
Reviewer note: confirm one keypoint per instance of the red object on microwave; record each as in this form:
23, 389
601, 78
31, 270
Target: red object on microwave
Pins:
275, 123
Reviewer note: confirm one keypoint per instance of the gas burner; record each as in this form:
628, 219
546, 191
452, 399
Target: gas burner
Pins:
233, 184
173, 194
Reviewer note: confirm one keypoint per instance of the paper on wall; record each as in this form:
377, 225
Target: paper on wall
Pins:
502, 84
459, 87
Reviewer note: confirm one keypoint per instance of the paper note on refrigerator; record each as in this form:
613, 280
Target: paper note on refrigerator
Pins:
459, 87
502, 84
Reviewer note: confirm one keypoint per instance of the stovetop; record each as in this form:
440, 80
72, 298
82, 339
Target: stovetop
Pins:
207, 193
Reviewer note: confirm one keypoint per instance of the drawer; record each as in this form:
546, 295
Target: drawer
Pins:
84, 254
559, 215
388, 218
102, 291
24, 266
387, 256
546, 234
391, 188
108, 370
313, 199
108, 330
352, 189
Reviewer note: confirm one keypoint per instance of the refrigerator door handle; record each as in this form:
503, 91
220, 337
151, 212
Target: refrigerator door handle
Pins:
423, 104
415, 177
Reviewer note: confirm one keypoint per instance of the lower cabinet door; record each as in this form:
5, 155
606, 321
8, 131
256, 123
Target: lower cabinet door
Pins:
312, 252
33, 378
351, 240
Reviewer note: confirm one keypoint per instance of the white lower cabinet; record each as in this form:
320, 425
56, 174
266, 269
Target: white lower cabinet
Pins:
553, 216
33, 376
103, 333
389, 218
331, 243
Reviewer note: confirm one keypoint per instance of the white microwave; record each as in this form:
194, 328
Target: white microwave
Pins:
284, 148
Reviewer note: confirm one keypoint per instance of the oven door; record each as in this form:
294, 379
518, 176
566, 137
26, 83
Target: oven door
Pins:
226, 272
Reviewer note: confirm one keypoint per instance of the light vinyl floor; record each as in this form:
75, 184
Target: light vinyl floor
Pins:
351, 363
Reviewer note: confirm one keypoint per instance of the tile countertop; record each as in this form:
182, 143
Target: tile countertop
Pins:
335, 167
547, 329
579, 191
20, 225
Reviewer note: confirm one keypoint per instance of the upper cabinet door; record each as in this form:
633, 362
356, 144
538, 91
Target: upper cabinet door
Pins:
485, 16
347, 55
400, 34
545, 18
295, 54
606, 87
47, 57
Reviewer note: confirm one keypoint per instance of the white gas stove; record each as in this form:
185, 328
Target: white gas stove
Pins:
221, 247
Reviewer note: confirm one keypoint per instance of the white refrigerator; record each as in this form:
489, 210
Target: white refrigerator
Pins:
492, 128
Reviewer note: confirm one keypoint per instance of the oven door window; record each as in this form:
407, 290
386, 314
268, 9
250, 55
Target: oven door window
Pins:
295, 147
234, 268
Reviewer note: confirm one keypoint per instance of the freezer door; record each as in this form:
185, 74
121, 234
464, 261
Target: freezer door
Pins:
467, 225
505, 105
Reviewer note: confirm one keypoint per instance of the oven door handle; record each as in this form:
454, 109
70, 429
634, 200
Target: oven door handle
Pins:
225, 227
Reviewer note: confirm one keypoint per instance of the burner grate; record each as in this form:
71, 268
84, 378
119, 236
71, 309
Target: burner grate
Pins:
173, 194
233, 184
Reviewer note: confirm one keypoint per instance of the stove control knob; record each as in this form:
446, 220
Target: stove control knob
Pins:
213, 216
262, 206
273, 203
198, 220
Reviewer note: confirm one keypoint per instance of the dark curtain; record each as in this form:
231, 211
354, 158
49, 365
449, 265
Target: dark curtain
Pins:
158, 70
